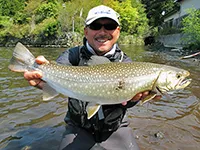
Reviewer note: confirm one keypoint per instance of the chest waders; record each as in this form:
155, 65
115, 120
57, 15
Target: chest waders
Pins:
109, 117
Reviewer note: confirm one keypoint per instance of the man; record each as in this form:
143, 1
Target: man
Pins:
108, 128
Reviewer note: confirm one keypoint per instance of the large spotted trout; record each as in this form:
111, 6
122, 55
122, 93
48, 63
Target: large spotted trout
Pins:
101, 84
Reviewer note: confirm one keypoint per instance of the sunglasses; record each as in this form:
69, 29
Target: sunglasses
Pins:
98, 26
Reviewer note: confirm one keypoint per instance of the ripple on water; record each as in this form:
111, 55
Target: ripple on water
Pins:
181, 103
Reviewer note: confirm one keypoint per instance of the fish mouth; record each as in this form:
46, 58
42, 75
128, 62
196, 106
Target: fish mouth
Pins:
184, 82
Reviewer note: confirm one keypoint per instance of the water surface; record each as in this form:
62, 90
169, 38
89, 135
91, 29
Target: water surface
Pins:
27, 122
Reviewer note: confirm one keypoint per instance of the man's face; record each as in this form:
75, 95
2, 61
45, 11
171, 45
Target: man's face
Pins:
102, 40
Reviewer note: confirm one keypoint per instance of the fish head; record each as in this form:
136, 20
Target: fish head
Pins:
172, 79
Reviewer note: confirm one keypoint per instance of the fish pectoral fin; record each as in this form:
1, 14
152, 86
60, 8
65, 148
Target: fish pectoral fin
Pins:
48, 92
92, 110
163, 93
167, 96
151, 96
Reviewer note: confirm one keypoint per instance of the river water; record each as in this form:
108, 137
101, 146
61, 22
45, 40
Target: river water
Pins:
27, 122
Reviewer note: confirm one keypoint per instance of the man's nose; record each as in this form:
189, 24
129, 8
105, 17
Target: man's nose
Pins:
102, 30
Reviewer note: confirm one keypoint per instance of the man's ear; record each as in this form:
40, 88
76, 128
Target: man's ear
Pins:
118, 28
85, 32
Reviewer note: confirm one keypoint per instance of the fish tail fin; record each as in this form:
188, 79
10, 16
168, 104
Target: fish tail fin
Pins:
22, 59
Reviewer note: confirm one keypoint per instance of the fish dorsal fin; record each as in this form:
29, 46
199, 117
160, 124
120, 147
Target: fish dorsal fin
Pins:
48, 92
92, 109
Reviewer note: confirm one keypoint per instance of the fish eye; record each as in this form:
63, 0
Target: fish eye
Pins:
178, 76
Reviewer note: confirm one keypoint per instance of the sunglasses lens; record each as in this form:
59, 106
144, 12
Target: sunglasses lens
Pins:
95, 26
110, 26
98, 26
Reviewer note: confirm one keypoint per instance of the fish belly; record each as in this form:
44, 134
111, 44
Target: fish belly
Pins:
102, 92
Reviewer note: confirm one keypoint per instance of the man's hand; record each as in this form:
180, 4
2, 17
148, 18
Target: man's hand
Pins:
141, 96
34, 77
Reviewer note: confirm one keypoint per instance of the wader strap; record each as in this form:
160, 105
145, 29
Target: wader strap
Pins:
101, 114
122, 56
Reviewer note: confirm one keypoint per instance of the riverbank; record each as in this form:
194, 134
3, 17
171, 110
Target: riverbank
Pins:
65, 40
180, 53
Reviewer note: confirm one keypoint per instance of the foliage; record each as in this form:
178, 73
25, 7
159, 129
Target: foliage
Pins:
32, 5
169, 30
46, 10
5, 25
11, 7
191, 27
5, 22
21, 18
130, 39
47, 27
132, 17
7, 28
22, 31
73, 13
51, 18
154, 9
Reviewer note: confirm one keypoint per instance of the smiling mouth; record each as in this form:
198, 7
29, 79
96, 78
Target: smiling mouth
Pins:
102, 40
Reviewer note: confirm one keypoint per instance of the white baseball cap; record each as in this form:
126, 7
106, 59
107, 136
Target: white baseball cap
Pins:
101, 12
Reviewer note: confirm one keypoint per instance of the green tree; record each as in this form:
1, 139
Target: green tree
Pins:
154, 9
73, 13
132, 16
11, 7
191, 27
48, 18
46, 10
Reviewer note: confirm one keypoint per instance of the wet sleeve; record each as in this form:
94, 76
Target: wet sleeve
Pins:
130, 104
